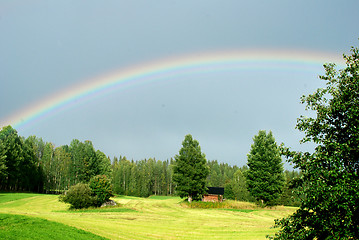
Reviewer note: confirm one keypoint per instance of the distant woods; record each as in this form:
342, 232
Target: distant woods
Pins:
30, 164
34, 165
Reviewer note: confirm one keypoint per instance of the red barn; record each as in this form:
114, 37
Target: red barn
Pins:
214, 194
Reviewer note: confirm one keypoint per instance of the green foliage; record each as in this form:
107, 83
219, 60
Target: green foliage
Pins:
216, 176
220, 173
94, 194
24, 227
19, 167
84, 161
232, 178
104, 164
236, 188
142, 178
290, 195
32, 164
101, 188
265, 179
3, 167
330, 180
79, 196
190, 170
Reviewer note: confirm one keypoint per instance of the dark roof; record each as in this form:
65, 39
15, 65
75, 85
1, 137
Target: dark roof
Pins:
215, 190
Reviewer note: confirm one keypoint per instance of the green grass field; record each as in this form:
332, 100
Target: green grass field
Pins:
136, 218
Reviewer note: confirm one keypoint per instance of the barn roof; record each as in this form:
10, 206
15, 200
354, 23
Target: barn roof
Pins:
215, 190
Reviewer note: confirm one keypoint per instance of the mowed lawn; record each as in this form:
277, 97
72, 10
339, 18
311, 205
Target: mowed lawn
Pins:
150, 218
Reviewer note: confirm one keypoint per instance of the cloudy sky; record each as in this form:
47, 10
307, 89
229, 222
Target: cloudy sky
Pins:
255, 59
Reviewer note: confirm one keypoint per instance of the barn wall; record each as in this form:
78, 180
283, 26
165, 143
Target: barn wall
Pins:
212, 198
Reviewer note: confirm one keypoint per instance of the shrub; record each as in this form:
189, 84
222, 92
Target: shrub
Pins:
101, 189
94, 194
79, 196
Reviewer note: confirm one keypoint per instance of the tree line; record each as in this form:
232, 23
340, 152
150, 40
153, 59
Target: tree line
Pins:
31, 164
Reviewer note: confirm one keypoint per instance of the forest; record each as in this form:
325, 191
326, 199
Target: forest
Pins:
30, 164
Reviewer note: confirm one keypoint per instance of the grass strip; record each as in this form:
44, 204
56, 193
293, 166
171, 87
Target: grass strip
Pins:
98, 210
24, 227
228, 204
156, 197
10, 197
238, 210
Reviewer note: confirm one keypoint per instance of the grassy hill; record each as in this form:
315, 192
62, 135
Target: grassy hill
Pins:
146, 218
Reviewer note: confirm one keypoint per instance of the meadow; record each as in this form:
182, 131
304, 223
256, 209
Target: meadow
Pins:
41, 216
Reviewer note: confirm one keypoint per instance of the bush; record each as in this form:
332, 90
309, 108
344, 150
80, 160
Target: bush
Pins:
101, 189
79, 196
94, 194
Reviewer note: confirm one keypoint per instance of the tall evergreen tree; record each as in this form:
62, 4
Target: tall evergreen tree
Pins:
190, 170
265, 179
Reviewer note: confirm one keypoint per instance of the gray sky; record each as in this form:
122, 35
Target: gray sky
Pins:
47, 47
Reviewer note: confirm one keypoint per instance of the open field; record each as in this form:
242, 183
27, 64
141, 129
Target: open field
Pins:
150, 218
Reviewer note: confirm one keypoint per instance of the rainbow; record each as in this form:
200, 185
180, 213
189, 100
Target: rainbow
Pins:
168, 67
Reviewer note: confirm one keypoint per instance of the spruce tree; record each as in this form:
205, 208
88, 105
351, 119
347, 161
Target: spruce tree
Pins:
190, 170
265, 179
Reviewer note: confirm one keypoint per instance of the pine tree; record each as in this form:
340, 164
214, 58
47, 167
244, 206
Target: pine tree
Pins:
190, 170
265, 179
